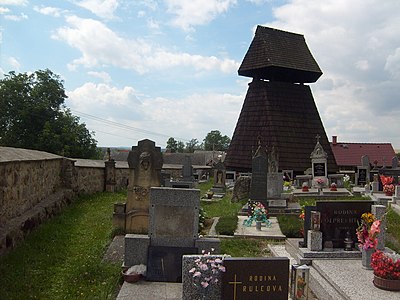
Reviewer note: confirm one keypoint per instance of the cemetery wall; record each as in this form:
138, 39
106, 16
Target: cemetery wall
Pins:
33, 190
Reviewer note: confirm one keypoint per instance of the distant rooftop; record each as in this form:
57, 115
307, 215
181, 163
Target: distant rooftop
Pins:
279, 55
349, 154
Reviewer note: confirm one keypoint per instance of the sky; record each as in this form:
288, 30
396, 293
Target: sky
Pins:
158, 69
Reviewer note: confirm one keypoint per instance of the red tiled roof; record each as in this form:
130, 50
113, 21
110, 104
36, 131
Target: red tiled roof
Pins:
349, 154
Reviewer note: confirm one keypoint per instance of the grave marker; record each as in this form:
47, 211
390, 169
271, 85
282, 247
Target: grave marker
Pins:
256, 278
338, 217
258, 186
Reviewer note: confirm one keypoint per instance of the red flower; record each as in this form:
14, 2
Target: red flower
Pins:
386, 265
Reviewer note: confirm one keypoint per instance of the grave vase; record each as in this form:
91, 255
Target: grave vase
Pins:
386, 284
366, 257
258, 225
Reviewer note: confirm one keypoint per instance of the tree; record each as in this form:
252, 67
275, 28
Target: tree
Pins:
192, 145
215, 141
172, 145
180, 147
33, 116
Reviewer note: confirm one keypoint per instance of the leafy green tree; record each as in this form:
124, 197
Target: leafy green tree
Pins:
180, 147
172, 145
215, 141
33, 116
192, 145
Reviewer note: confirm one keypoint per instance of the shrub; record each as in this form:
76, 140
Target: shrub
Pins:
226, 225
291, 225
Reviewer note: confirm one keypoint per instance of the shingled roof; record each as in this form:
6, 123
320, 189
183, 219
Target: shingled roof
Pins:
279, 55
281, 114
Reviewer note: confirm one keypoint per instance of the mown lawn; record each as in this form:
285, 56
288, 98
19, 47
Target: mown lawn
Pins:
62, 259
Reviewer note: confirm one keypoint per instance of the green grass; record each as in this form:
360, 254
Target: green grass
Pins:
393, 230
62, 259
223, 207
243, 247
290, 225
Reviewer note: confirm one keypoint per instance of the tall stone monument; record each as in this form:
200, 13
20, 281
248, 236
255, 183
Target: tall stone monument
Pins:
319, 162
145, 163
258, 186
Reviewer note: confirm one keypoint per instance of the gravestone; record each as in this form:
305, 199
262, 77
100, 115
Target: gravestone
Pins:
339, 217
395, 162
187, 169
256, 278
230, 177
258, 185
363, 172
173, 232
145, 163
319, 162
337, 179
219, 178
307, 224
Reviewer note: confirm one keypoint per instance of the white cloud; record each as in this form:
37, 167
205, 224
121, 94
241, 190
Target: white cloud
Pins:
355, 44
17, 18
14, 2
102, 75
14, 63
101, 46
393, 64
4, 10
196, 12
101, 8
48, 11
154, 118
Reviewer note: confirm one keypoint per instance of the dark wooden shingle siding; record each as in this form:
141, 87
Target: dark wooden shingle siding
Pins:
282, 114
279, 55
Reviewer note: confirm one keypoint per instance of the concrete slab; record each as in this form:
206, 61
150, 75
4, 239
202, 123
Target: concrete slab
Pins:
146, 290
273, 232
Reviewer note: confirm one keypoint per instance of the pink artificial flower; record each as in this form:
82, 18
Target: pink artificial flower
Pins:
197, 274
375, 227
192, 270
204, 284
203, 267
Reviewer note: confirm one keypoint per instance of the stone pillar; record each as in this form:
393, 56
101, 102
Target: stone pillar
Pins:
396, 198
379, 212
110, 176
314, 240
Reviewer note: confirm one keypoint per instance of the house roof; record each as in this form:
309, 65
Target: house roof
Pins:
280, 114
279, 55
349, 154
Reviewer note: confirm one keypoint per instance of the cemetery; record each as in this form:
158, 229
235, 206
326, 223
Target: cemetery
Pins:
145, 230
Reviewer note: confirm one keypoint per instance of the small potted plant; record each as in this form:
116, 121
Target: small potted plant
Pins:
386, 268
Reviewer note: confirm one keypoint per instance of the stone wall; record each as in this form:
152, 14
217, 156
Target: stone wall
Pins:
35, 185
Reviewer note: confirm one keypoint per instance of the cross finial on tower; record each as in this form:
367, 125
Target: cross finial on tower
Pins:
317, 137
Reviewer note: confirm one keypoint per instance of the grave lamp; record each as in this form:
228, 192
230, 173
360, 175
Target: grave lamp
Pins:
299, 282
348, 242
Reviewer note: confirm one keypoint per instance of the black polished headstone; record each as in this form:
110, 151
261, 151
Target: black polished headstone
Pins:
256, 278
338, 217
319, 169
164, 264
362, 176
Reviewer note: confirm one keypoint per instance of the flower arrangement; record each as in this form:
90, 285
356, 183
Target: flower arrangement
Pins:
320, 181
386, 265
367, 231
207, 270
257, 212
387, 182
304, 187
388, 188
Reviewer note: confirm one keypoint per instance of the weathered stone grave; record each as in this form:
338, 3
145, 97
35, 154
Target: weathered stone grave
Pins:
173, 232
219, 178
274, 181
145, 163
319, 163
256, 278
259, 170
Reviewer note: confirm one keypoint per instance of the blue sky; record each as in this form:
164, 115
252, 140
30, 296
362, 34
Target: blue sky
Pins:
155, 69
